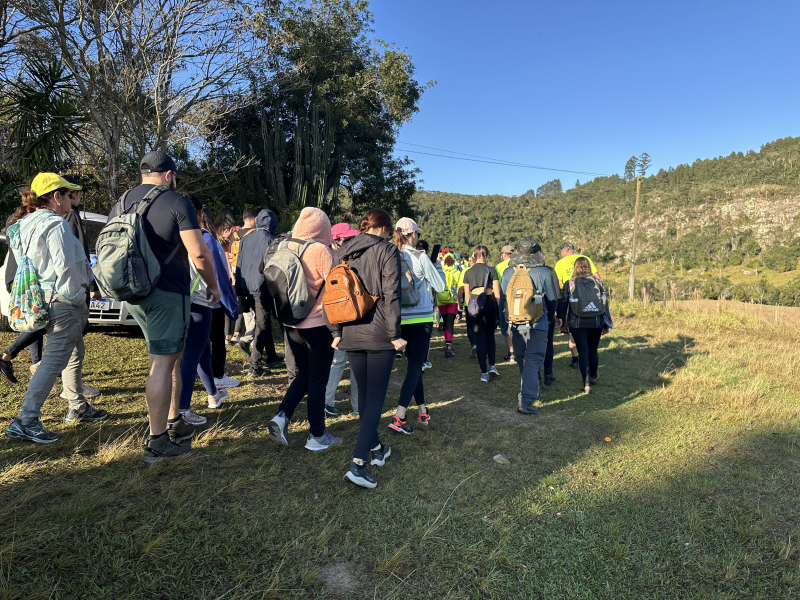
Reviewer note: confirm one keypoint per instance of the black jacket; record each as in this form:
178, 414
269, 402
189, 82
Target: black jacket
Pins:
377, 263
575, 321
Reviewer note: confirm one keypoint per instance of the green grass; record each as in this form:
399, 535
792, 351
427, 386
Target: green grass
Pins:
695, 496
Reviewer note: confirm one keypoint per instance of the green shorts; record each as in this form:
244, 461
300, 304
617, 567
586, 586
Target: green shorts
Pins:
164, 319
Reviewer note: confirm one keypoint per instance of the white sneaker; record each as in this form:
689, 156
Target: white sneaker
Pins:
88, 392
226, 382
427, 365
192, 418
217, 399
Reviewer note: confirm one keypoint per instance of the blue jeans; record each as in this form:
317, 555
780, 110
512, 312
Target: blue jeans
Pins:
197, 355
337, 370
530, 347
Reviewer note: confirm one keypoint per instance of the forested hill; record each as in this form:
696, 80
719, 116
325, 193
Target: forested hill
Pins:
714, 212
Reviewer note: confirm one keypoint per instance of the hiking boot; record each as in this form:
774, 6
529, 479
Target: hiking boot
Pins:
484, 378
33, 432
332, 411
179, 430
216, 400
548, 379
360, 475
528, 410
192, 418
244, 348
379, 456
279, 429
275, 362
474, 353
88, 413
323, 442
493, 371
449, 353
426, 365
256, 372
7, 370
87, 392
424, 418
400, 425
226, 382
163, 448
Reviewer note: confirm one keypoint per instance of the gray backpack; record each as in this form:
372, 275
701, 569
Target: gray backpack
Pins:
285, 281
408, 283
127, 268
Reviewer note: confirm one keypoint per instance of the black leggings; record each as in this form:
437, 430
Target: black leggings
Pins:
449, 324
371, 371
483, 331
418, 336
587, 340
32, 340
218, 352
313, 355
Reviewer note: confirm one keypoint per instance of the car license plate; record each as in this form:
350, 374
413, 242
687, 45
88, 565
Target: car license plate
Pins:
99, 305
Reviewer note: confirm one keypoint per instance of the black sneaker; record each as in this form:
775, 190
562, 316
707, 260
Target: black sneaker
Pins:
360, 475
244, 348
449, 353
332, 411
180, 431
7, 370
163, 448
88, 413
400, 426
528, 410
379, 456
33, 431
575, 364
256, 372
548, 379
276, 362
508, 357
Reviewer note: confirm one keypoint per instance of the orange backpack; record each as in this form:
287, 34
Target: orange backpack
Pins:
345, 299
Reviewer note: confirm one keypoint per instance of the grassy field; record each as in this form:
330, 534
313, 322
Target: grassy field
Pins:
677, 477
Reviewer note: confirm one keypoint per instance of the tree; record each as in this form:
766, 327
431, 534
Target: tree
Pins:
643, 163
47, 126
550, 188
630, 169
321, 56
148, 78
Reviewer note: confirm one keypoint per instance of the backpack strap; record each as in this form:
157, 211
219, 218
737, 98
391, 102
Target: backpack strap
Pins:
144, 205
486, 279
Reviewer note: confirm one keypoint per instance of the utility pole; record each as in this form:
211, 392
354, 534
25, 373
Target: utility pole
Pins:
632, 276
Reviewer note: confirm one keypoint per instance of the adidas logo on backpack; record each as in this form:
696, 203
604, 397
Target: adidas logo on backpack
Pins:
590, 307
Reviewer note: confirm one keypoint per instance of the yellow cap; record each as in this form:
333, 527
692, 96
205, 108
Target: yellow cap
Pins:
45, 183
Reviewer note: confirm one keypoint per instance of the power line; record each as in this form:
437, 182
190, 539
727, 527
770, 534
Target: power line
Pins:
488, 160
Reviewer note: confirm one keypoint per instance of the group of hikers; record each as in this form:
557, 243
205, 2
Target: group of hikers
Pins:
342, 295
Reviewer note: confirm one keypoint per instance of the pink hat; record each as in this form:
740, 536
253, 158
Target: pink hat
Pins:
407, 226
342, 231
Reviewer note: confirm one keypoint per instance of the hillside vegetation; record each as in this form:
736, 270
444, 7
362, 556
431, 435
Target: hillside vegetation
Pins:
740, 211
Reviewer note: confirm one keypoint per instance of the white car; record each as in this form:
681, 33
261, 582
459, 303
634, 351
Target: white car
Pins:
105, 311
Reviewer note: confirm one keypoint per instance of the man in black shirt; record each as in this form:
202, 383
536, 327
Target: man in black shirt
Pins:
169, 224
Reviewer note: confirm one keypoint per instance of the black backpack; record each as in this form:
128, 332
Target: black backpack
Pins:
477, 302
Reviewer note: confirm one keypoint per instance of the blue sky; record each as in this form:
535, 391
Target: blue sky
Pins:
583, 85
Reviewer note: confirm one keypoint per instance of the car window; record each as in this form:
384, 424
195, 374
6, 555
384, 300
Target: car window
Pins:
91, 229
3, 248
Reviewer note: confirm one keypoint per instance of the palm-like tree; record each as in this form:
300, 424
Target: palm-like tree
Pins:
47, 124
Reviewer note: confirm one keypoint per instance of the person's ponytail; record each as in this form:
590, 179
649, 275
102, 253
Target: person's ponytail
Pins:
30, 204
399, 239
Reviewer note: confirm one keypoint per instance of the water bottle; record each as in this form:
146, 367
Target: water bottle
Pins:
604, 298
537, 299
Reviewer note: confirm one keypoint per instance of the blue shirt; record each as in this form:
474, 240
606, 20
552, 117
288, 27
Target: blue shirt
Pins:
542, 281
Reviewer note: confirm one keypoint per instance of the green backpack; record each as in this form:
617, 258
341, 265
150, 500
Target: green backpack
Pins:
127, 268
